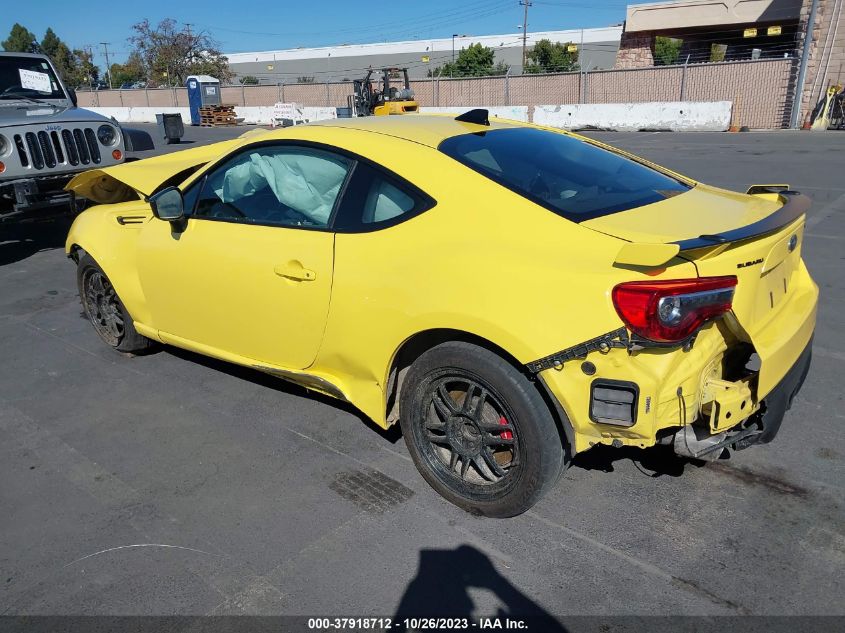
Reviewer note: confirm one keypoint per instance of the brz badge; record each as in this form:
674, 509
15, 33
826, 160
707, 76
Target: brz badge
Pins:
751, 263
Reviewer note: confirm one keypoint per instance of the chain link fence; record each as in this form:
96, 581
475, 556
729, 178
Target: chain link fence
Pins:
761, 90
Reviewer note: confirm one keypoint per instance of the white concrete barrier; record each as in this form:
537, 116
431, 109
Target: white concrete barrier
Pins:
263, 115
516, 113
143, 114
710, 116
678, 116
259, 115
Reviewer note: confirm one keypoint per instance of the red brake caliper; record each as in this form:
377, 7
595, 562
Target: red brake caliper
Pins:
506, 435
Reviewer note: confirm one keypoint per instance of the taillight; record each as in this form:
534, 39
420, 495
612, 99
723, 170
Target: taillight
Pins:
669, 311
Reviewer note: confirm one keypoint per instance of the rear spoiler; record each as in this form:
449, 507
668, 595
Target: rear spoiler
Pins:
794, 206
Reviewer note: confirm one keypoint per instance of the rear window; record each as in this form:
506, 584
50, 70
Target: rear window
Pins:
564, 174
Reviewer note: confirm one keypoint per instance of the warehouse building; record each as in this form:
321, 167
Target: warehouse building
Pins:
735, 30
597, 49
727, 30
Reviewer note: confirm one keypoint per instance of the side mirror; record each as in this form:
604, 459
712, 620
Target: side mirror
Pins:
73, 98
168, 205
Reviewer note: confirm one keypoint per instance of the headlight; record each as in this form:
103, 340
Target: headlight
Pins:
5, 146
107, 135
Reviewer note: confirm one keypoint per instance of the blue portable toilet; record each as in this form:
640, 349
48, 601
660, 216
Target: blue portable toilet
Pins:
203, 90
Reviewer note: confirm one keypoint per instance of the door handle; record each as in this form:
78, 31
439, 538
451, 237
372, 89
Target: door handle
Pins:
296, 271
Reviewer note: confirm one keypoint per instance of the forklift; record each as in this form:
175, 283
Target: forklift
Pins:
370, 101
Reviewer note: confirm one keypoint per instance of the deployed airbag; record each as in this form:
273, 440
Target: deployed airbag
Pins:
304, 182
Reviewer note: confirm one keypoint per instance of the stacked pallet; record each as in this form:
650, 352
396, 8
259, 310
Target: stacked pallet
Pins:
218, 116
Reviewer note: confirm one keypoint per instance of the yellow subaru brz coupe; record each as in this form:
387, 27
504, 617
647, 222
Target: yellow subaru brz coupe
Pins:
511, 295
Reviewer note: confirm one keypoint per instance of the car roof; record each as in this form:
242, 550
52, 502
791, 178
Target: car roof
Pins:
428, 130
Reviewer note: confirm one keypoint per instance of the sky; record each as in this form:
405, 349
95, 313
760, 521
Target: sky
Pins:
244, 25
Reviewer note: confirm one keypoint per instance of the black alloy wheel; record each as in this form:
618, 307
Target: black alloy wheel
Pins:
479, 431
102, 307
468, 433
105, 310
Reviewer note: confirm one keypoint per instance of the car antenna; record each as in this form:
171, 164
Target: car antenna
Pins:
479, 116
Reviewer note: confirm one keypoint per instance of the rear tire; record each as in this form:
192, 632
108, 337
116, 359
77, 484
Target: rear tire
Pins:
105, 310
478, 431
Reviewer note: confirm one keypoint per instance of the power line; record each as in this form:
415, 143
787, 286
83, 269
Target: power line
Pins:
471, 10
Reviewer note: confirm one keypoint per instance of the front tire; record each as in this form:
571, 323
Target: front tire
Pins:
105, 310
478, 430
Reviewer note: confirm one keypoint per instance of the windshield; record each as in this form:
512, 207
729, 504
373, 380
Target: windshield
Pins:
30, 77
569, 176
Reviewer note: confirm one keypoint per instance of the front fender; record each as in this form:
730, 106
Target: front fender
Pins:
109, 233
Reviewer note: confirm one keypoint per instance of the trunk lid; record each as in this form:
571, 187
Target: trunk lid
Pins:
701, 210
768, 290
757, 238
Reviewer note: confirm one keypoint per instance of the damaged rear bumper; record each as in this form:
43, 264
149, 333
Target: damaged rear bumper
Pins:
699, 442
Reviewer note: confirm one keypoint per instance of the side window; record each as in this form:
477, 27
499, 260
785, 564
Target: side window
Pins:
374, 199
281, 185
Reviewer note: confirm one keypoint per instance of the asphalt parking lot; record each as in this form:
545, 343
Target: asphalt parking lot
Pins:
175, 484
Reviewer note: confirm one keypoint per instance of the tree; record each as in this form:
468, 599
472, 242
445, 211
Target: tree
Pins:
75, 66
51, 43
305, 80
718, 52
548, 57
84, 72
248, 80
21, 40
473, 61
129, 72
171, 54
63, 58
666, 50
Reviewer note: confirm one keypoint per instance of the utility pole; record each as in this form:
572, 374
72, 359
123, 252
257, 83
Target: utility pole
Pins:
795, 121
88, 75
526, 4
188, 26
105, 46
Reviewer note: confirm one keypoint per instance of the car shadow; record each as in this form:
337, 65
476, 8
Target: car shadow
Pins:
20, 242
392, 435
655, 461
441, 589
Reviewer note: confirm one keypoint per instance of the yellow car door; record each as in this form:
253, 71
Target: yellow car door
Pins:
248, 273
